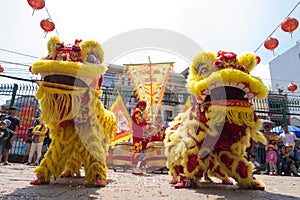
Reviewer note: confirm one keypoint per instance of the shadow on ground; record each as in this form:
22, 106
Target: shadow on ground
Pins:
64, 188
232, 192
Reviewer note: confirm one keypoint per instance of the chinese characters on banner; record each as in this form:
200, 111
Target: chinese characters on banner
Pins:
150, 82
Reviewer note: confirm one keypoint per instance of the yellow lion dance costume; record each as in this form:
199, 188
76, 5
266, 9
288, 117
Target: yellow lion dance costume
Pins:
80, 127
210, 139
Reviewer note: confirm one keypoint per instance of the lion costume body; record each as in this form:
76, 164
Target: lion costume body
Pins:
80, 127
210, 139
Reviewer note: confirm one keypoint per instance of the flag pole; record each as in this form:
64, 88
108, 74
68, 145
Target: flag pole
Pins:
151, 103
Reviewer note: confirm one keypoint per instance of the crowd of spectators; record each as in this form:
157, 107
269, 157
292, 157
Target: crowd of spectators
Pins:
37, 142
281, 154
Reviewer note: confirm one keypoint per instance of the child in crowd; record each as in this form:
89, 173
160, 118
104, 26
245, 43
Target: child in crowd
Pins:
256, 164
271, 159
281, 160
291, 160
4, 134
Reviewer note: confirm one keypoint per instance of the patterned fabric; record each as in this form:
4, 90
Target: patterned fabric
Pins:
138, 127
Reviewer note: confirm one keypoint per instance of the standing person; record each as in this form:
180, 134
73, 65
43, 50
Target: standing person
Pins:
13, 128
29, 140
272, 137
139, 124
271, 159
4, 134
288, 137
283, 166
38, 135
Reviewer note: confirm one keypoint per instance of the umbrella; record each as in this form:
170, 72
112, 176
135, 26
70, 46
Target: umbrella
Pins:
267, 122
295, 129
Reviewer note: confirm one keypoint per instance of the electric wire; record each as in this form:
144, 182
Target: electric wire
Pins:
277, 27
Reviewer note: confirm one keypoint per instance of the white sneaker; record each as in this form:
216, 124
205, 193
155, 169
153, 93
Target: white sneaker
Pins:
137, 171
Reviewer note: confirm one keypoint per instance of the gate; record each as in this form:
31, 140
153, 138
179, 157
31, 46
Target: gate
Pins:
21, 96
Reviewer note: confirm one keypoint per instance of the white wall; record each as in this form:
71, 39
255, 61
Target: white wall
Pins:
285, 68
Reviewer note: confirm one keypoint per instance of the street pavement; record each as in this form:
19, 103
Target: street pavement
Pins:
14, 184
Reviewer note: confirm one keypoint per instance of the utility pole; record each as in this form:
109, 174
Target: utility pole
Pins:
151, 101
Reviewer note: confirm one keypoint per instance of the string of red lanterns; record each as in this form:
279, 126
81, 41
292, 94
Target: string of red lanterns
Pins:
288, 25
46, 24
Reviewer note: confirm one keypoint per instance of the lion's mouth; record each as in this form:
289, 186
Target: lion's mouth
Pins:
227, 96
65, 80
226, 93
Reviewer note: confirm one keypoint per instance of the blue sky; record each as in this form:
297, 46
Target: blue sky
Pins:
231, 25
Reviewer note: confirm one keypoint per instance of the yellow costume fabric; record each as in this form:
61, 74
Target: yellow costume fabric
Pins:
210, 139
80, 127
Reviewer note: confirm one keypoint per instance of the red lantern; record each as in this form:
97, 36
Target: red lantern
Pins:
289, 25
292, 87
257, 60
36, 4
47, 25
271, 44
1, 69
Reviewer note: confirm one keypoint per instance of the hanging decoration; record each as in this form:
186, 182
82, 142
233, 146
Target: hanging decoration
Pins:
292, 87
1, 69
47, 25
289, 25
30, 69
257, 60
36, 4
150, 82
271, 44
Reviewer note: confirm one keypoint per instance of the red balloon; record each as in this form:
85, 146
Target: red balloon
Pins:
271, 43
1, 69
289, 24
47, 25
292, 87
36, 4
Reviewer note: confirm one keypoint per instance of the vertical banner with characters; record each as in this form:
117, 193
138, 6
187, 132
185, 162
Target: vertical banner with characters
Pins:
150, 82
26, 115
124, 128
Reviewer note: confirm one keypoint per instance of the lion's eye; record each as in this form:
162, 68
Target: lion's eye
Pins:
202, 69
93, 58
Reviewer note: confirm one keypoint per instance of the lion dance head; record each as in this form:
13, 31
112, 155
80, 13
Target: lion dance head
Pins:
68, 95
211, 138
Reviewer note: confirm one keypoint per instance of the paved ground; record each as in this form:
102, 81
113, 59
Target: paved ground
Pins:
14, 184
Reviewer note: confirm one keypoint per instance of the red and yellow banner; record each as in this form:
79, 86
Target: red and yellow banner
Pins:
124, 128
26, 115
150, 82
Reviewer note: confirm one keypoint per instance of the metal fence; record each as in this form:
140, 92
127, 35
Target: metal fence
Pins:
278, 108
21, 96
